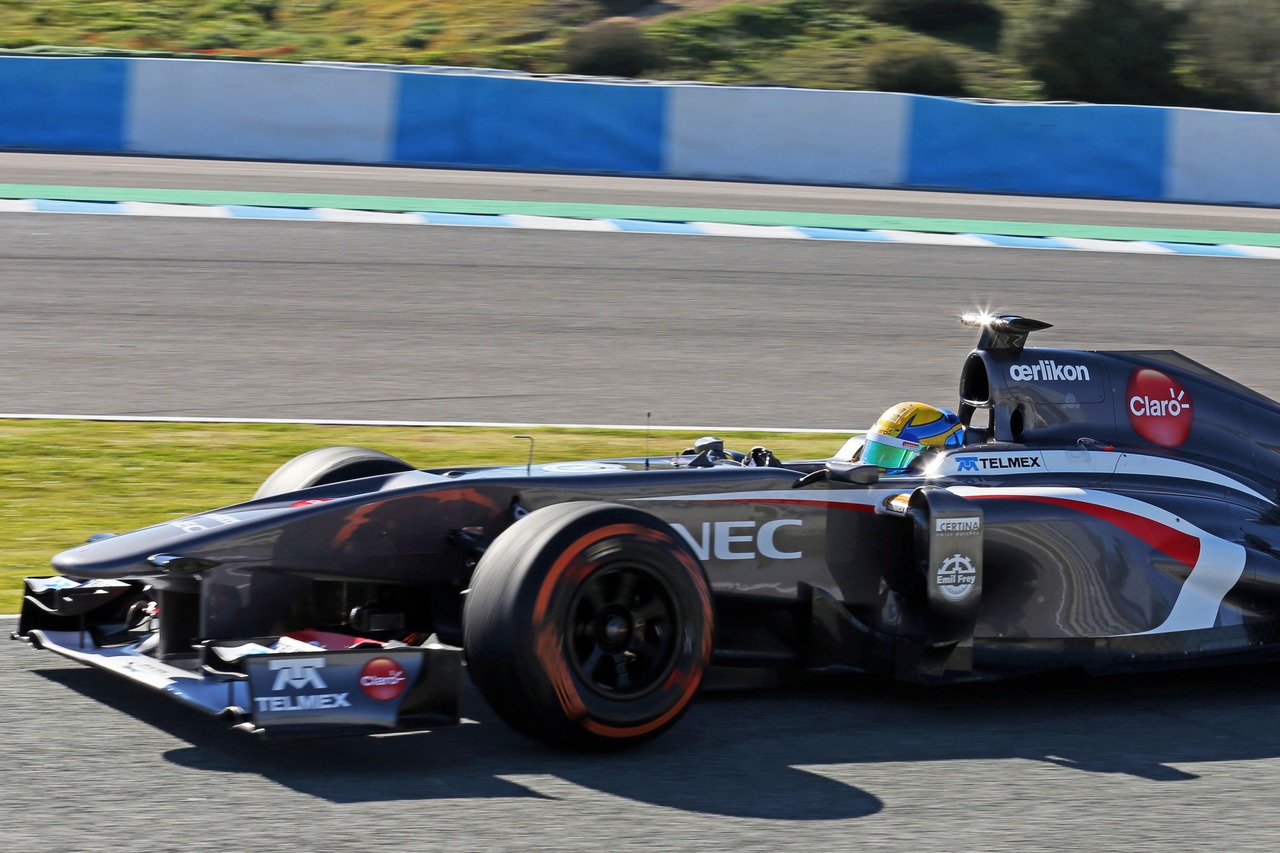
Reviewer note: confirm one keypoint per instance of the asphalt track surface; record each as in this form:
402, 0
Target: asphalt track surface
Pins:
167, 317
138, 316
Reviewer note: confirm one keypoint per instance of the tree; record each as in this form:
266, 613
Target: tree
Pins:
1236, 52
1102, 51
933, 14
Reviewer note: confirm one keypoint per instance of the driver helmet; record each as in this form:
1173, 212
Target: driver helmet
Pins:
906, 430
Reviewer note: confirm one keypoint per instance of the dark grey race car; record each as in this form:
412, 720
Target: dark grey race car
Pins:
1109, 510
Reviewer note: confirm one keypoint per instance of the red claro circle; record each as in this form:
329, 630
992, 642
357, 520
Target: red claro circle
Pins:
383, 679
1160, 409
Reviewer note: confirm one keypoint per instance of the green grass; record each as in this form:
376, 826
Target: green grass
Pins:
62, 481
809, 43
830, 44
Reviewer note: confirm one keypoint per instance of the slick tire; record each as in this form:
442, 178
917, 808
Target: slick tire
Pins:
588, 625
329, 465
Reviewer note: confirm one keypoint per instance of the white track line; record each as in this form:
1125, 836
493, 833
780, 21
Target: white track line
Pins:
25, 416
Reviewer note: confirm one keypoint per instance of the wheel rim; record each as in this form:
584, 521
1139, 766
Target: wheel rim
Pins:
622, 631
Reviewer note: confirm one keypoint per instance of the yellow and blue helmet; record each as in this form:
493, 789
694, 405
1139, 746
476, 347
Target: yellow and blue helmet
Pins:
906, 430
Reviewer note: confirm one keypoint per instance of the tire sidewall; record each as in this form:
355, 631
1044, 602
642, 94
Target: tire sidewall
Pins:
534, 576
326, 465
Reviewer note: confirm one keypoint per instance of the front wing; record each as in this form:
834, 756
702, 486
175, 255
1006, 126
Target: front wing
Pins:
276, 686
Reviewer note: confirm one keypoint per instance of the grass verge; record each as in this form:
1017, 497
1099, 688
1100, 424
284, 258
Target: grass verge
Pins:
808, 43
62, 481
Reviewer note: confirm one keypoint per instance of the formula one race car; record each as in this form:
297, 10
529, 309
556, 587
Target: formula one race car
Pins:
1104, 510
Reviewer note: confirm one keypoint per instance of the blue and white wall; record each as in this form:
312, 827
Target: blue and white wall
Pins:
198, 108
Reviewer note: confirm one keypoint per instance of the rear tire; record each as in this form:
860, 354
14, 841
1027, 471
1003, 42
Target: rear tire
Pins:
588, 625
329, 465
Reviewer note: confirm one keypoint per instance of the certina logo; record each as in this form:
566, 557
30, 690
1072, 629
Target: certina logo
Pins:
739, 540
1160, 409
382, 679
957, 526
1048, 370
295, 674
996, 463
956, 577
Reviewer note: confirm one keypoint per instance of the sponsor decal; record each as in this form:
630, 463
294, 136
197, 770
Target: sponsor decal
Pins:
997, 463
211, 521
1160, 409
383, 679
148, 666
896, 504
310, 502
296, 674
739, 540
312, 702
956, 577
1048, 370
957, 526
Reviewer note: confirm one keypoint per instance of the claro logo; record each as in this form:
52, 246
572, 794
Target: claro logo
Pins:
1159, 408
382, 679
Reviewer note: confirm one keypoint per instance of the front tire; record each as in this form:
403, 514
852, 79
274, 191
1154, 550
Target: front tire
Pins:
326, 465
588, 625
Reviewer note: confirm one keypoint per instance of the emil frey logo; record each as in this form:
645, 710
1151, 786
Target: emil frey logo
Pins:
1159, 408
382, 679
1048, 370
956, 577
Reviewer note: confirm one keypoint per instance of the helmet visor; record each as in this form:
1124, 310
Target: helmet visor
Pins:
889, 452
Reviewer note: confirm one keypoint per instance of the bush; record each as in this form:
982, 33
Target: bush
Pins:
421, 33
934, 14
765, 22
1102, 51
621, 7
610, 49
1237, 52
917, 68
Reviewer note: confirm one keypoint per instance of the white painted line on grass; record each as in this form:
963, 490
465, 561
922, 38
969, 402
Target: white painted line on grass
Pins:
149, 419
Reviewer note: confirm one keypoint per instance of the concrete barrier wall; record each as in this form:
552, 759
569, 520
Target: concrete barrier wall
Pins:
78, 104
242, 110
530, 124
195, 108
787, 135
1071, 150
